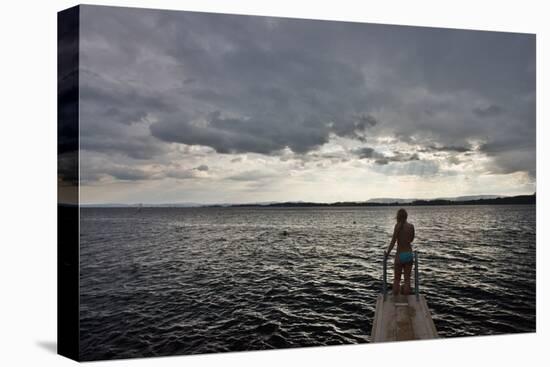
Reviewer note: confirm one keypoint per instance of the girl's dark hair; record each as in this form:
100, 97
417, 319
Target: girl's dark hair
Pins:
401, 216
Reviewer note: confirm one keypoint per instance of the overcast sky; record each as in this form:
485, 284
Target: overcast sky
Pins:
210, 108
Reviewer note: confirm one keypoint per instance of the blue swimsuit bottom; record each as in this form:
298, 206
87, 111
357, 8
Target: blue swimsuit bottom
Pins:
405, 257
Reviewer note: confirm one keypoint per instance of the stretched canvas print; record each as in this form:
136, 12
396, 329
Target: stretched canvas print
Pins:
235, 183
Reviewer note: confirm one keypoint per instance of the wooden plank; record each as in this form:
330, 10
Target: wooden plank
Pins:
431, 331
404, 325
402, 318
375, 323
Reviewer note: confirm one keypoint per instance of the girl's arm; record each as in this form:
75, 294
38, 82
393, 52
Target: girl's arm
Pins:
393, 240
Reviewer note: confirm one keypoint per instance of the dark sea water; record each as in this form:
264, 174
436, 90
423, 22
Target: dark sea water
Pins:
162, 281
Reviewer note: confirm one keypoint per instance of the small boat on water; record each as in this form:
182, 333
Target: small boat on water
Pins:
402, 317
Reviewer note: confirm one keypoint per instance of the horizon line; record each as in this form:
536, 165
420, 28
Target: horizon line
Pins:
267, 202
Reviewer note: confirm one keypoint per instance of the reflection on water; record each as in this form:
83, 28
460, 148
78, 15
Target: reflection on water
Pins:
160, 281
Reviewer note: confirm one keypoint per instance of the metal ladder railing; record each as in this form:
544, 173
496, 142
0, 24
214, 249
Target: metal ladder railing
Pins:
385, 276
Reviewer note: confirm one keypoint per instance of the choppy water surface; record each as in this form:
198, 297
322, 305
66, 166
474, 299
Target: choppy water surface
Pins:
183, 281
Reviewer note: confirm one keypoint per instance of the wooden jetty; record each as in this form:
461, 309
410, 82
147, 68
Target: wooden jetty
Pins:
402, 317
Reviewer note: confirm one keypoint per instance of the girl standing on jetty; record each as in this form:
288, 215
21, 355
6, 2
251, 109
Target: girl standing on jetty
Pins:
403, 234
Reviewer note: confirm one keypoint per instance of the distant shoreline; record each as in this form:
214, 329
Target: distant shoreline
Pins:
510, 200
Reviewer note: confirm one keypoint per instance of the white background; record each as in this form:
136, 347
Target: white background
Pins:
28, 182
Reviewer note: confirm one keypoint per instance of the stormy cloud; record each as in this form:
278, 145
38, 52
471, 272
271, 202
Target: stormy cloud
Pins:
488, 111
225, 99
380, 158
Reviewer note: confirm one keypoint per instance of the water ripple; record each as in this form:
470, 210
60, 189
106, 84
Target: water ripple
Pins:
184, 281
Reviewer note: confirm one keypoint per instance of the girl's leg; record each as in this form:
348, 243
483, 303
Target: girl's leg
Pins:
407, 276
396, 277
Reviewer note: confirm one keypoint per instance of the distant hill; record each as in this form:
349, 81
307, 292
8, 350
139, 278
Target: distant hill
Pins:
389, 200
173, 205
472, 197
484, 200
507, 200
457, 198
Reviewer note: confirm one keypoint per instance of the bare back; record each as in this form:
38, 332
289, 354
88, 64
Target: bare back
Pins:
404, 236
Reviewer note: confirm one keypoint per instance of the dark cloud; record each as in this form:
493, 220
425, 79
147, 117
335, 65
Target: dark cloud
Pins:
446, 148
115, 141
202, 168
242, 135
367, 153
365, 121
489, 111
113, 114
278, 94
382, 159
128, 173
507, 159
119, 102
397, 157
239, 84
362, 122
